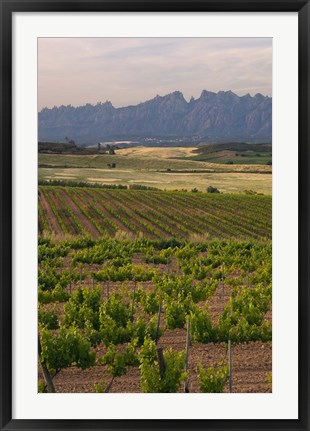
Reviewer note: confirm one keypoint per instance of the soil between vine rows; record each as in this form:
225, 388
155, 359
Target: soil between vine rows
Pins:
252, 362
132, 211
248, 218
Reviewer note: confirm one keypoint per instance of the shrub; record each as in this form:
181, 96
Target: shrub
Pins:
148, 301
130, 356
213, 380
177, 310
201, 326
116, 309
48, 318
212, 189
58, 294
100, 387
115, 362
82, 309
151, 379
64, 348
42, 389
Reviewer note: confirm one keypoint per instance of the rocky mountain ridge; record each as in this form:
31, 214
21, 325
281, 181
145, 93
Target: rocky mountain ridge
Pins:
222, 116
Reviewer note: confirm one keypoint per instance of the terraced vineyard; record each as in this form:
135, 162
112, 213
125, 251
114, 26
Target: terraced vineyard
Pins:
152, 214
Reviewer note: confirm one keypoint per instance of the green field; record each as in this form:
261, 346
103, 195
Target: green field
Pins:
153, 214
234, 153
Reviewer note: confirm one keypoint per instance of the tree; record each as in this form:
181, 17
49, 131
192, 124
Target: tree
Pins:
212, 189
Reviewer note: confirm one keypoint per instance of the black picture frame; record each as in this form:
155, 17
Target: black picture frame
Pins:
8, 7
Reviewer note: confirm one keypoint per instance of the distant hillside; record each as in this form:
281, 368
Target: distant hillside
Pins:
234, 153
221, 116
57, 147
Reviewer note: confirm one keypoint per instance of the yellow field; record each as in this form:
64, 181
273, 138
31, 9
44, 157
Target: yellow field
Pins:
158, 152
159, 167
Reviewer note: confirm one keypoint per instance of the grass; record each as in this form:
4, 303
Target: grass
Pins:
233, 182
156, 167
140, 160
230, 157
234, 153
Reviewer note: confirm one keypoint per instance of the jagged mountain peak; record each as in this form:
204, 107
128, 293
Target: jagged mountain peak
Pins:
175, 95
207, 94
219, 115
107, 103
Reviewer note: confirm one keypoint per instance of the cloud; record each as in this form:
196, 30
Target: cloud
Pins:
130, 70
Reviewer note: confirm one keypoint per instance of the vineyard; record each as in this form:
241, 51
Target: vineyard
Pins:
65, 211
145, 291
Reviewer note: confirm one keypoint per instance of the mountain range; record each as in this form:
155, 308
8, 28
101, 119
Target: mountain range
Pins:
222, 116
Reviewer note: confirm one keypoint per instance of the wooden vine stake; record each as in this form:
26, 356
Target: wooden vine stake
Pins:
47, 377
133, 299
188, 342
230, 365
107, 389
158, 323
161, 362
70, 279
108, 289
222, 282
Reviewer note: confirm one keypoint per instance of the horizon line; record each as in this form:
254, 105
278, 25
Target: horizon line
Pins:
165, 95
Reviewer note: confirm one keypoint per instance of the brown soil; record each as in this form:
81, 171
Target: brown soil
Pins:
50, 216
104, 210
252, 362
128, 206
85, 222
118, 204
218, 301
251, 365
60, 209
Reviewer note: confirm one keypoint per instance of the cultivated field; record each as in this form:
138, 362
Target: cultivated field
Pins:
152, 214
163, 168
122, 272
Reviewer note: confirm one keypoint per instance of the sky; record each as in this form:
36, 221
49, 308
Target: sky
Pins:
127, 71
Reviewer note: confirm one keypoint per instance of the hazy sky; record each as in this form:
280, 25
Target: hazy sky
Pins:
128, 71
